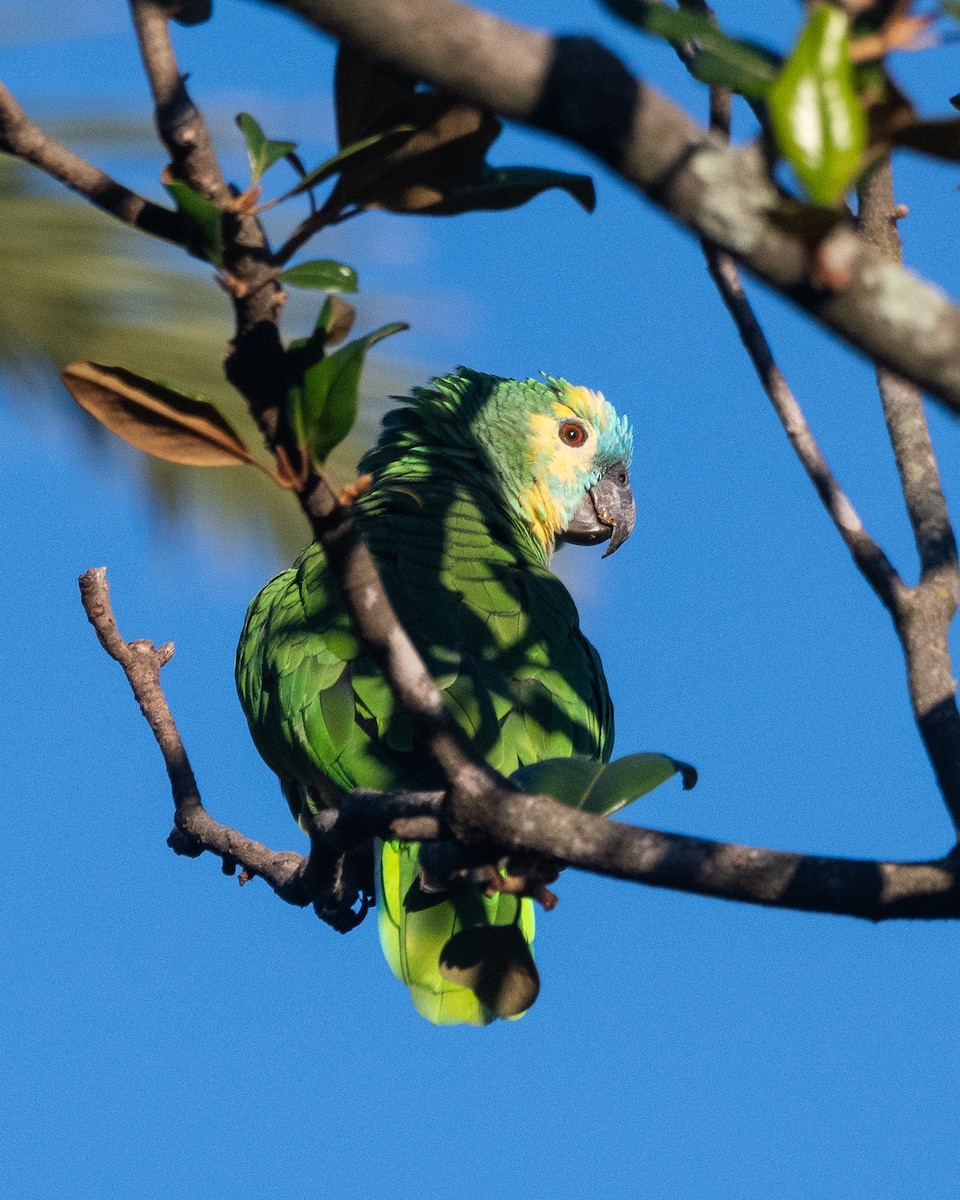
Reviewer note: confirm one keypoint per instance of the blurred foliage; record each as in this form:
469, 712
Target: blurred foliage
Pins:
78, 284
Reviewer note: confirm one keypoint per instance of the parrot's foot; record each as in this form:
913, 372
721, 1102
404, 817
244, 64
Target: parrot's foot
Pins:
446, 867
524, 875
352, 491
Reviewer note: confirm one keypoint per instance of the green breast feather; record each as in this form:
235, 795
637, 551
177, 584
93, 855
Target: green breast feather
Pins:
461, 518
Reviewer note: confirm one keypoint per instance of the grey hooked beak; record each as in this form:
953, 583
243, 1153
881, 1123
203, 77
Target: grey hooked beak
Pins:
608, 511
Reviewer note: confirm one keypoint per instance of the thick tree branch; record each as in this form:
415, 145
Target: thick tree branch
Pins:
521, 824
23, 139
577, 89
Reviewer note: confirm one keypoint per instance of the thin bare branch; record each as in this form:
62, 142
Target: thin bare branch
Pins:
867, 554
298, 879
390, 645
22, 138
923, 621
141, 663
576, 88
256, 364
179, 123
903, 409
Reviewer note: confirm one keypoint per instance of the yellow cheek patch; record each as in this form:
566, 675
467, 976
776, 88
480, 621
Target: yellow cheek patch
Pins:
547, 452
542, 513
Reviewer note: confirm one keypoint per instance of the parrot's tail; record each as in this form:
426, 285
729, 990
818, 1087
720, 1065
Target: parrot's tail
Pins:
467, 958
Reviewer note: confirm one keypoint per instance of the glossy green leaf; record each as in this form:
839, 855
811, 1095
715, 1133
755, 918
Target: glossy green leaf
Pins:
322, 275
600, 788
330, 392
509, 187
815, 113
720, 59
261, 151
204, 221
303, 357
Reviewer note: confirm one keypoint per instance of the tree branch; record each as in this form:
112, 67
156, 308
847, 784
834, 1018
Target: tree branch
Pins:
23, 139
179, 124
866, 553
480, 809
256, 367
521, 824
576, 88
925, 613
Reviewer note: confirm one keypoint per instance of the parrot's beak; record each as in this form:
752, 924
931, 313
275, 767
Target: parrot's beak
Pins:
608, 511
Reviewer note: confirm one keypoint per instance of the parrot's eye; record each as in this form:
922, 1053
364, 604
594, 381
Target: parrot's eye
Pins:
572, 433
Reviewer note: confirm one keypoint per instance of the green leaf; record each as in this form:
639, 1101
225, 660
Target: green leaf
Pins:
330, 392
600, 788
720, 59
378, 144
203, 218
509, 187
321, 274
322, 388
261, 151
304, 355
817, 118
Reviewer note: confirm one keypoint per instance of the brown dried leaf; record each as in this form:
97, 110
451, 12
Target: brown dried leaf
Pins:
447, 152
365, 92
156, 418
338, 318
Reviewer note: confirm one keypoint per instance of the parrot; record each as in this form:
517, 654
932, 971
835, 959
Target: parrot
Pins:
474, 481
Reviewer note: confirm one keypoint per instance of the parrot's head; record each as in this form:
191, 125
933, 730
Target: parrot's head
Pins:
557, 456
564, 455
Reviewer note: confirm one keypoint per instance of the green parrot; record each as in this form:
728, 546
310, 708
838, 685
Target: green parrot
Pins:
472, 483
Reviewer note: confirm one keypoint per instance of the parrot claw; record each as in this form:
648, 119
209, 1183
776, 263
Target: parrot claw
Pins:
524, 876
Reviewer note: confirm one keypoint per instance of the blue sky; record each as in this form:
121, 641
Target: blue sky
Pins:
170, 1034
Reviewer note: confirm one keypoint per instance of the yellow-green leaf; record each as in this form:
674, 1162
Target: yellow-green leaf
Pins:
817, 119
262, 153
155, 417
601, 788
